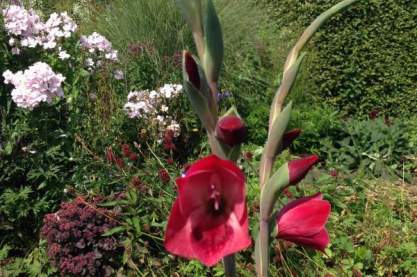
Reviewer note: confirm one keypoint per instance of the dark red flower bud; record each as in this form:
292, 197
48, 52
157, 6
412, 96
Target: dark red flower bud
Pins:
126, 150
168, 140
248, 156
110, 155
373, 114
133, 157
120, 163
170, 161
192, 70
231, 130
299, 168
289, 137
164, 175
288, 193
333, 173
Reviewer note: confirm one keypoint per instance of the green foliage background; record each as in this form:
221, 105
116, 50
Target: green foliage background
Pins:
362, 59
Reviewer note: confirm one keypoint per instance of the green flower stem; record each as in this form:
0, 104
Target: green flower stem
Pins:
289, 76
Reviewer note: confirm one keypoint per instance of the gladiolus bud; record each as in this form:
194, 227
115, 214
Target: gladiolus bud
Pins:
119, 163
192, 70
289, 137
231, 130
110, 155
126, 150
299, 168
303, 222
164, 175
133, 157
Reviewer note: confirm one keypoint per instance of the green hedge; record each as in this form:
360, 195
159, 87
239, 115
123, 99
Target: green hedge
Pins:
364, 58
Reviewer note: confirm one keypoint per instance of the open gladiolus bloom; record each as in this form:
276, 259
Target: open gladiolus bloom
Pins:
209, 219
303, 222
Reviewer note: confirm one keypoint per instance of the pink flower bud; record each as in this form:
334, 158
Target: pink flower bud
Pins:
231, 130
299, 168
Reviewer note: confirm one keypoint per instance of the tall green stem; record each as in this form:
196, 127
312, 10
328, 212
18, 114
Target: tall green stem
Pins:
290, 72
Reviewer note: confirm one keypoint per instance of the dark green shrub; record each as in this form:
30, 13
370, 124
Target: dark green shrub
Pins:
363, 58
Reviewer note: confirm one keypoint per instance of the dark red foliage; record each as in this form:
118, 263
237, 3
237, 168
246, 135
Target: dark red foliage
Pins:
75, 242
164, 175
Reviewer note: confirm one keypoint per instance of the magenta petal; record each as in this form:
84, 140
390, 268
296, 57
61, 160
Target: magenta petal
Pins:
319, 241
204, 164
297, 202
193, 191
306, 219
178, 234
211, 245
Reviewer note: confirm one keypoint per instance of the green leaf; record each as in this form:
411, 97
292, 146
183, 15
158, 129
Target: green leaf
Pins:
279, 125
114, 230
271, 190
274, 139
214, 52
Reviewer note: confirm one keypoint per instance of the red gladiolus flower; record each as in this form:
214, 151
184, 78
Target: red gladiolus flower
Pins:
299, 168
209, 219
303, 222
231, 130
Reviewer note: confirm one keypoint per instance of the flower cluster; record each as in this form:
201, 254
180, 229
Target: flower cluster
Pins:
99, 49
26, 28
36, 84
153, 106
76, 245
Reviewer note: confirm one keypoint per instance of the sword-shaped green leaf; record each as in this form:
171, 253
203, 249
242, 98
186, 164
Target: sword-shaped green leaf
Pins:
213, 54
